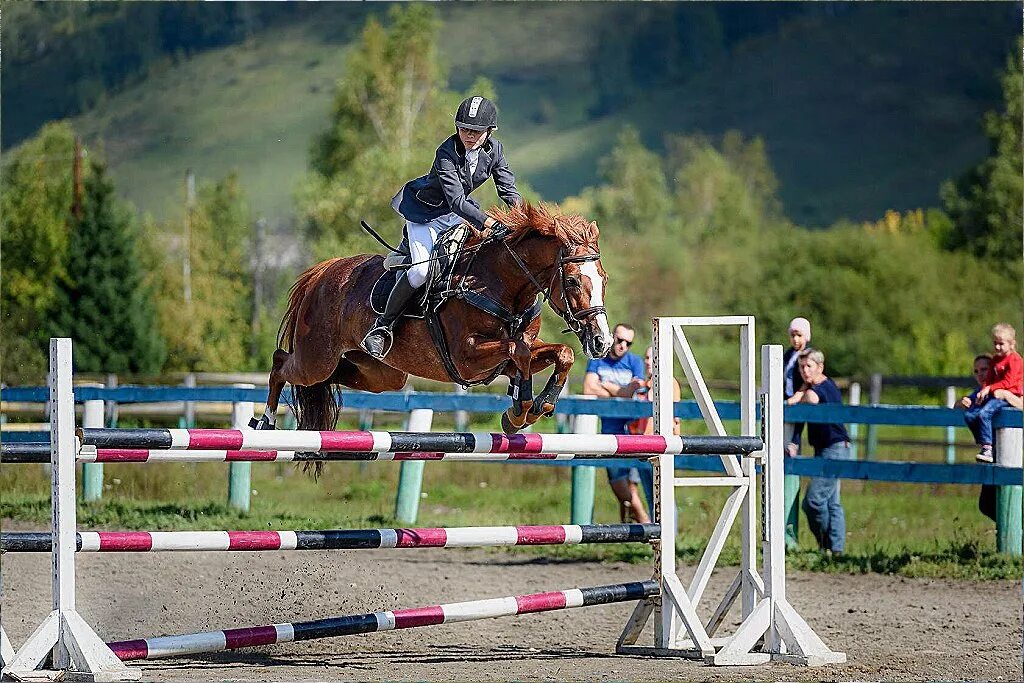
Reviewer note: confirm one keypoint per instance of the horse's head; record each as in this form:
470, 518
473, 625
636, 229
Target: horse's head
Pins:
578, 287
569, 268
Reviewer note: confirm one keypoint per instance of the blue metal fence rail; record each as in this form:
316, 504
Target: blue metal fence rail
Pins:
919, 416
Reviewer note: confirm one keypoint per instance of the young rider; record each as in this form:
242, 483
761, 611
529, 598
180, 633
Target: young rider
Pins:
439, 201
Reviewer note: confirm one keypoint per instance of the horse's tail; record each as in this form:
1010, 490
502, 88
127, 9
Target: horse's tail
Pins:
316, 408
303, 286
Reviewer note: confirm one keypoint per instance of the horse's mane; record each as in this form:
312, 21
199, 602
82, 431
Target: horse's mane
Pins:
526, 218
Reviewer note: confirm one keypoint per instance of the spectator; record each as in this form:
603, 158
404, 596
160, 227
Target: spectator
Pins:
619, 375
645, 425
987, 496
799, 338
824, 510
1005, 380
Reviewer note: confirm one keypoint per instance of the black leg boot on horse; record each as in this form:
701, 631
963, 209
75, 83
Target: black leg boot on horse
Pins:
379, 339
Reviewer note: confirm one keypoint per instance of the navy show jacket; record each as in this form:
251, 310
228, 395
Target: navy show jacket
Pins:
445, 189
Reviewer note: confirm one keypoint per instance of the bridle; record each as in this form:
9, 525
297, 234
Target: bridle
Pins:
574, 319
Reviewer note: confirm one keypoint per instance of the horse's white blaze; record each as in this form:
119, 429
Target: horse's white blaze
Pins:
589, 271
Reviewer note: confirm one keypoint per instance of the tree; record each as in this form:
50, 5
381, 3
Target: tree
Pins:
102, 303
635, 194
985, 203
390, 112
212, 332
35, 205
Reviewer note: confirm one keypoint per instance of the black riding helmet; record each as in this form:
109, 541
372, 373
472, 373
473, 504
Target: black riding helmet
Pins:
477, 113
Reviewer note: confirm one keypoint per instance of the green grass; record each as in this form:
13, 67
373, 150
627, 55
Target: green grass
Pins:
860, 113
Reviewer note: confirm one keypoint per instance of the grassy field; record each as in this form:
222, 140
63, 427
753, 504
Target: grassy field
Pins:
860, 113
911, 530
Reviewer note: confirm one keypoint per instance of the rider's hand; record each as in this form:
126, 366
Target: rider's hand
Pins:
499, 229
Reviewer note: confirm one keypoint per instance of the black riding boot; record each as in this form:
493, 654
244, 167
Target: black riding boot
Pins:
378, 340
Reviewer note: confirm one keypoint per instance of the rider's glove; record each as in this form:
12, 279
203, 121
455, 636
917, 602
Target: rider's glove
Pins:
499, 230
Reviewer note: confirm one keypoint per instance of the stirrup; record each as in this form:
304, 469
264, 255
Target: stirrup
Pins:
387, 339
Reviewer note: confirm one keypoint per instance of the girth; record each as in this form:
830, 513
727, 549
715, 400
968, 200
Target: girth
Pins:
514, 324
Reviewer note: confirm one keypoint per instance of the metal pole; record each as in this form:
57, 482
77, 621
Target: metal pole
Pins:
92, 472
1009, 453
950, 431
854, 428
583, 476
240, 473
871, 447
410, 475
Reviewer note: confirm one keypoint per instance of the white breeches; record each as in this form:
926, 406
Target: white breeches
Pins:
422, 237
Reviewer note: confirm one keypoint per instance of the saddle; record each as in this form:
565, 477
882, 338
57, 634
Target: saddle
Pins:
442, 266
439, 289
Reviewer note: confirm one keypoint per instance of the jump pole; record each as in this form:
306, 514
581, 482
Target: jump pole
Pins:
336, 539
475, 610
230, 444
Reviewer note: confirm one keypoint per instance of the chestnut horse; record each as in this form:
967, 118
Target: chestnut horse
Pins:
555, 256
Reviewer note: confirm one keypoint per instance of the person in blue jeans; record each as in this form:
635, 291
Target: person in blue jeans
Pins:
620, 374
824, 509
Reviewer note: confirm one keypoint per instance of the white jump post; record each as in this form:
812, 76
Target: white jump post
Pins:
678, 629
64, 644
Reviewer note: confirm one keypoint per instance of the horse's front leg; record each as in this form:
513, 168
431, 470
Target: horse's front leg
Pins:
520, 387
543, 355
479, 356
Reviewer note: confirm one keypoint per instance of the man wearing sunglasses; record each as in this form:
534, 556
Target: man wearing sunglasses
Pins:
620, 374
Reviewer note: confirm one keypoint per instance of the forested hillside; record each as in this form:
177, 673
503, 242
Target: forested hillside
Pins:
705, 159
862, 107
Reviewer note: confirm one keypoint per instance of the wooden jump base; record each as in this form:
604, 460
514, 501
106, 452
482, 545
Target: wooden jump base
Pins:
334, 539
231, 639
65, 645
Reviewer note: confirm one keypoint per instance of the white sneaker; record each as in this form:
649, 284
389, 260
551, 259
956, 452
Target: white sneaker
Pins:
985, 455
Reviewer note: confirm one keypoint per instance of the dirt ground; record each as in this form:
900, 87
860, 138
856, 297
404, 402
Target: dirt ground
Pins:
891, 628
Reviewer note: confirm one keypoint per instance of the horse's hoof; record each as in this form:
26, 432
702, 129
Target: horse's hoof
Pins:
507, 426
261, 424
541, 410
516, 420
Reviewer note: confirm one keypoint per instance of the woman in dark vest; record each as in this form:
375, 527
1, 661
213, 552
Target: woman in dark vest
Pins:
439, 201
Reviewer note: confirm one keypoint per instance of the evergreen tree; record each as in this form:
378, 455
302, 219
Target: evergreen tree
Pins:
103, 306
391, 111
985, 204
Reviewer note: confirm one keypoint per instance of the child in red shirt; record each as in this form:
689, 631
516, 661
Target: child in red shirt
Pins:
1005, 380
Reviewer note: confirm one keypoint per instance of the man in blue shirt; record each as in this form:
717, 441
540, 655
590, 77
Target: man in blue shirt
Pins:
620, 374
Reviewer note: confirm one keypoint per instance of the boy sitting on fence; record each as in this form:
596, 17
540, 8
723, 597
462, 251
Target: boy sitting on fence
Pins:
1003, 384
